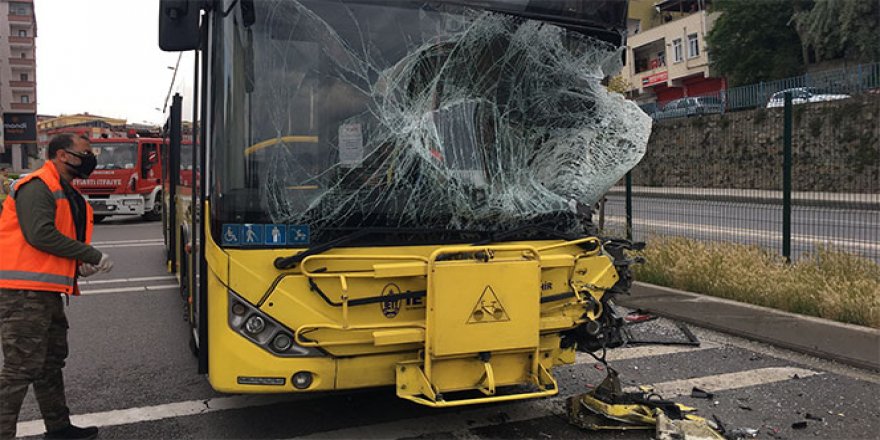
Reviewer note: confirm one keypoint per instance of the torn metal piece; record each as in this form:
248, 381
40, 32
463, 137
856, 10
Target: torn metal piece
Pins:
669, 429
701, 394
608, 407
809, 416
741, 434
639, 316
691, 339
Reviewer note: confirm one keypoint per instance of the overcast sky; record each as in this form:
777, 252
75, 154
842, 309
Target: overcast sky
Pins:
102, 57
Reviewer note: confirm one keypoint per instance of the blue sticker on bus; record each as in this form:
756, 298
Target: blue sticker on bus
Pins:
251, 234
298, 234
276, 235
231, 235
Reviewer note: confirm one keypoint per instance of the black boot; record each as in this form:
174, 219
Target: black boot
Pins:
74, 432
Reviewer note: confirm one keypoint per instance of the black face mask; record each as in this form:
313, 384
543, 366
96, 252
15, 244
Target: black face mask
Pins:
87, 163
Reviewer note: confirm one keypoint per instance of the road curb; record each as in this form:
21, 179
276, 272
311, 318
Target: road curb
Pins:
846, 343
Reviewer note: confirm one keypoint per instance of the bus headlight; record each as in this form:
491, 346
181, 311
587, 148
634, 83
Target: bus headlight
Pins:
254, 325
281, 342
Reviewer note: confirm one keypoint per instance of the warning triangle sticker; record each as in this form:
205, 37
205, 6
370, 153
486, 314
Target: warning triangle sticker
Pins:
488, 309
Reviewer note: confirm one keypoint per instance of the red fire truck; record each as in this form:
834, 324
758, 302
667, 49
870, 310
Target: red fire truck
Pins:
128, 178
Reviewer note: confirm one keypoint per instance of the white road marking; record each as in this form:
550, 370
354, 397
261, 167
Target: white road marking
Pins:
128, 280
112, 242
467, 419
129, 289
620, 354
747, 233
111, 246
731, 381
157, 412
459, 419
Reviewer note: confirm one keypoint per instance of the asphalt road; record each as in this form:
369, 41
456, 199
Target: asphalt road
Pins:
130, 372
850, 230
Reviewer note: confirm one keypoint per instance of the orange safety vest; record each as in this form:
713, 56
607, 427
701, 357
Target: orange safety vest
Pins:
24, 267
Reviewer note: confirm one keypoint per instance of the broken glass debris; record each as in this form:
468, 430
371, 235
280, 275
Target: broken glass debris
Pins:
421, 115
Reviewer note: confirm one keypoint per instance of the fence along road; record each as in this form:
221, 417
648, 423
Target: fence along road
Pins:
735, 176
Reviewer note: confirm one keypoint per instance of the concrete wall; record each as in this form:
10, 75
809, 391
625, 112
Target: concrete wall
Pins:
836, 148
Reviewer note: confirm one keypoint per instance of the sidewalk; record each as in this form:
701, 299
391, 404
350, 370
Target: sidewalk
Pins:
799, 198
846, 343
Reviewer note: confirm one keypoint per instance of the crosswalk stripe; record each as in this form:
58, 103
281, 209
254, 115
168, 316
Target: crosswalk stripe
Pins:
129, 289
622, 354
459, 419
157, 412
110, 242
468, 419
122, 245
731, 381
127, 280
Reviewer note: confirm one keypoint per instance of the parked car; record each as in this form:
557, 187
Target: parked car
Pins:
802, 95
692, 106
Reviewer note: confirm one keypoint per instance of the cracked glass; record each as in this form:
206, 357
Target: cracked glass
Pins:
457, 119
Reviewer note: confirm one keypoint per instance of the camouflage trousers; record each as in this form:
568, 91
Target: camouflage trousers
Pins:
33, 329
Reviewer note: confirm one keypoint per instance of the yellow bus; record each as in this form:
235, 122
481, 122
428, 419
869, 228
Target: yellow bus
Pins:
398, 193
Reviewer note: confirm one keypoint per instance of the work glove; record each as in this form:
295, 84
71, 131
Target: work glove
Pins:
87, 270
105, 264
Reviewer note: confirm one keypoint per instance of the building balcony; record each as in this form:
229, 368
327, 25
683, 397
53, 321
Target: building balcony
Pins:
21, 18
21, 41
22, 84
21, 61
32, 106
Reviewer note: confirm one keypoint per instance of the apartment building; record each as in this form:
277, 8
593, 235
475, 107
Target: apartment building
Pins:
666, 55
18, 83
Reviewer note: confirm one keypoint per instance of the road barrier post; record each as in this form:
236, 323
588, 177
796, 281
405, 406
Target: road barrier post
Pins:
629, 206
786, 179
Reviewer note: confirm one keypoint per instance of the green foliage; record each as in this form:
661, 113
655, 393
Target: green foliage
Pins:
828, 283
841, 29
755, 40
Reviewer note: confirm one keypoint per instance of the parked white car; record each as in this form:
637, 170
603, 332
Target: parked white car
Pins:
801, 95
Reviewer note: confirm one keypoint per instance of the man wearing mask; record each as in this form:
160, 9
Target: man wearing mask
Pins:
45, 231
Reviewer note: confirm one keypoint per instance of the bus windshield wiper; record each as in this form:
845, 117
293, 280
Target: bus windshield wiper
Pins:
292, 260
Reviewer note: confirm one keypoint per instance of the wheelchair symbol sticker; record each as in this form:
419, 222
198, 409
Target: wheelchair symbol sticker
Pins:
231, 235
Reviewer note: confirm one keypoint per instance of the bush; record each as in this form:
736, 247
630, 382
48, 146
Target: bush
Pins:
828, 284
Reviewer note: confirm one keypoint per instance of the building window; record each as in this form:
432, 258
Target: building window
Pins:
24, 76
19, 9
25, 99
677, 50
22, 33
693, 46
23, 55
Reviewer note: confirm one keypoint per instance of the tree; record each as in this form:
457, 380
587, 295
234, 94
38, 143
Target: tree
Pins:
619, 84
755, 40
847, 29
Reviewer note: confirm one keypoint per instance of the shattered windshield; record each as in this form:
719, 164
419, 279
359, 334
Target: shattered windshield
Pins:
115, 156
340, 114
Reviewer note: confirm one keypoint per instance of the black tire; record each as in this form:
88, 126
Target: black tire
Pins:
155, 213
98, 218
